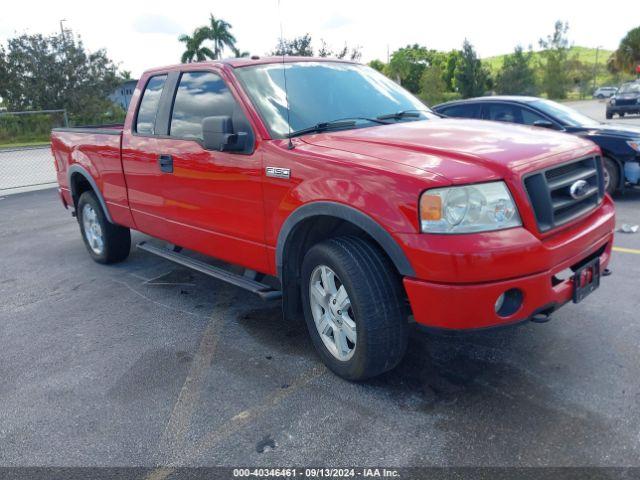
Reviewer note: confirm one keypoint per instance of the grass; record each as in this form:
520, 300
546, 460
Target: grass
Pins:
26, 143
583, 54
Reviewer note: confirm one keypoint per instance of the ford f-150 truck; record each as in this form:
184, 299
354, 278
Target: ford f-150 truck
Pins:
337, 190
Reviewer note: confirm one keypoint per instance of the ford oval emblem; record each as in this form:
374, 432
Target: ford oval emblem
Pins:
579, 190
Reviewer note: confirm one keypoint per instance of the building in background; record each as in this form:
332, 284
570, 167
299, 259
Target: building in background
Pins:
123, 93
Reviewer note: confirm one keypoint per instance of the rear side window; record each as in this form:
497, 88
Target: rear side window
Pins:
470, 110
199, 95
146, 119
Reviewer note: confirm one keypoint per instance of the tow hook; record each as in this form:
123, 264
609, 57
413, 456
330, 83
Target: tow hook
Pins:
606, 272
540, 317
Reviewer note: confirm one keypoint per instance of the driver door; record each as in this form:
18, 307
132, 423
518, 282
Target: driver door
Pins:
215, 198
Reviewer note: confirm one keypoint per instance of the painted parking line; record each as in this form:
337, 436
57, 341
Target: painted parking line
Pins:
626, 250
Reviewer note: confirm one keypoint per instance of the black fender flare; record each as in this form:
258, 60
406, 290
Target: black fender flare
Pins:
79, 169
349, 214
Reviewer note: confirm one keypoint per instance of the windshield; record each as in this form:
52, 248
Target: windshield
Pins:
565, 115
324, 92
630, 88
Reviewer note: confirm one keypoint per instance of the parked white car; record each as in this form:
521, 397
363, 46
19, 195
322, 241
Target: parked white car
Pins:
605, 92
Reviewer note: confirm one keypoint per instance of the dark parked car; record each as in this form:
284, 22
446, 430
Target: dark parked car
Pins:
626, 100
620, 144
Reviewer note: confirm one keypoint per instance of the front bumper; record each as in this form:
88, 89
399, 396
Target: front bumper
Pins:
634, 108
469, 302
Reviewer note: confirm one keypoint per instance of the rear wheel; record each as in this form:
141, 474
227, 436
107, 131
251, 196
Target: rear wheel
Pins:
611, 175
353, 307
106, 242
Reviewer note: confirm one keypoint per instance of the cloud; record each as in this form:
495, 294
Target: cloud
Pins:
157, 24
336, 21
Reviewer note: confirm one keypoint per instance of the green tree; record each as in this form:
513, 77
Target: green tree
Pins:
470, 75
298, 46
555, 75
194, 48
378, 65
408, 64
57, 72
517, 76
219, 32
627, 56
432, 85
237, 53
353, 53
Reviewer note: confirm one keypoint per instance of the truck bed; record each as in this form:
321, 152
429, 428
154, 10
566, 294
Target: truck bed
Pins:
95, 150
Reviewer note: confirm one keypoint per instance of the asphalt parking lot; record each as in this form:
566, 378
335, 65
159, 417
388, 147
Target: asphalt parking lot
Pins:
146, 363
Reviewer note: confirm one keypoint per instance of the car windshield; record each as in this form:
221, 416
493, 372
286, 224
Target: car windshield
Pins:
565, 115
630, 88
320, 92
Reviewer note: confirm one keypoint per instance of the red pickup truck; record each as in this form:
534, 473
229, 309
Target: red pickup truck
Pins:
343, 194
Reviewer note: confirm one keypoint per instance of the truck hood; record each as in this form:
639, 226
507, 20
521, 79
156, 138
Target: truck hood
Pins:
459, 149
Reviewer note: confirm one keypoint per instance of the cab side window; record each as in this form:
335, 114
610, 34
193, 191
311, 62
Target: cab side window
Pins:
146, 118
199, 95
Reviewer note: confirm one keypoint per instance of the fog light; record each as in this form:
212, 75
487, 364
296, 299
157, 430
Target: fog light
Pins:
509, 302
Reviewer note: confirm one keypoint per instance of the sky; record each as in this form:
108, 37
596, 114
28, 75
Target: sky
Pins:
139, 34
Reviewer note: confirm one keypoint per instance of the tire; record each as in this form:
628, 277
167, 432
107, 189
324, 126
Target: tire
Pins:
621, 114
609, 115
612, 175
376, 311
105, 241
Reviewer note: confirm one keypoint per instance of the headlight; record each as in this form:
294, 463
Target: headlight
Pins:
635, 144
470, 208
612, 101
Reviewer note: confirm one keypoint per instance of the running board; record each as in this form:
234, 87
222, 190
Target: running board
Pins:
265, 292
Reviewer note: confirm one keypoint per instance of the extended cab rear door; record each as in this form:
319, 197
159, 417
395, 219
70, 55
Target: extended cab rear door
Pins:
140, 149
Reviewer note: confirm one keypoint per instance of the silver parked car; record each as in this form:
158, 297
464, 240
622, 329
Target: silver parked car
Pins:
605, 92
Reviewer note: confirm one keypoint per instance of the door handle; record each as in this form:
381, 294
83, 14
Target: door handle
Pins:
166, 163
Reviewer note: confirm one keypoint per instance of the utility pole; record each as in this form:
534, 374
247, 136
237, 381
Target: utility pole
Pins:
595, 67
62, 28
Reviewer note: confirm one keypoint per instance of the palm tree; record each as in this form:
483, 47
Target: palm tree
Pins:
193, 46
219, 32
237, 53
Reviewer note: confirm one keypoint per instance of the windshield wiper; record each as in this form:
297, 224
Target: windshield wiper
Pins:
334, 124
401, 114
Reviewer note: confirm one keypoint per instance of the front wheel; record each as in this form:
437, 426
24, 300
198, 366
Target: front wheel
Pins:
353, 306
611, 175
609, 115
106, 242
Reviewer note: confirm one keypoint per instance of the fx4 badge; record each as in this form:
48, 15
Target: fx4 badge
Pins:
277, 172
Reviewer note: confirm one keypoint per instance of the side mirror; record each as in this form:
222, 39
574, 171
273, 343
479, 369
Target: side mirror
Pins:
544, 124
217, 134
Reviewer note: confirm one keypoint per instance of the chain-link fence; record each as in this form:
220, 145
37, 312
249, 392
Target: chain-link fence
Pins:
25, 153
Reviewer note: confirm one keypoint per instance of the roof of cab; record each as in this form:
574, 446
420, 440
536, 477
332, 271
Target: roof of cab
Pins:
247, 61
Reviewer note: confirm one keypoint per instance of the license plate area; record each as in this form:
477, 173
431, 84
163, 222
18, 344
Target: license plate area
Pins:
586, 279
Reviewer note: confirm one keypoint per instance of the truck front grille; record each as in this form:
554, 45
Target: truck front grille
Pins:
550, 191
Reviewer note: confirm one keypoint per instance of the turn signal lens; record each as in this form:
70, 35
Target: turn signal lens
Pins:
430, 208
